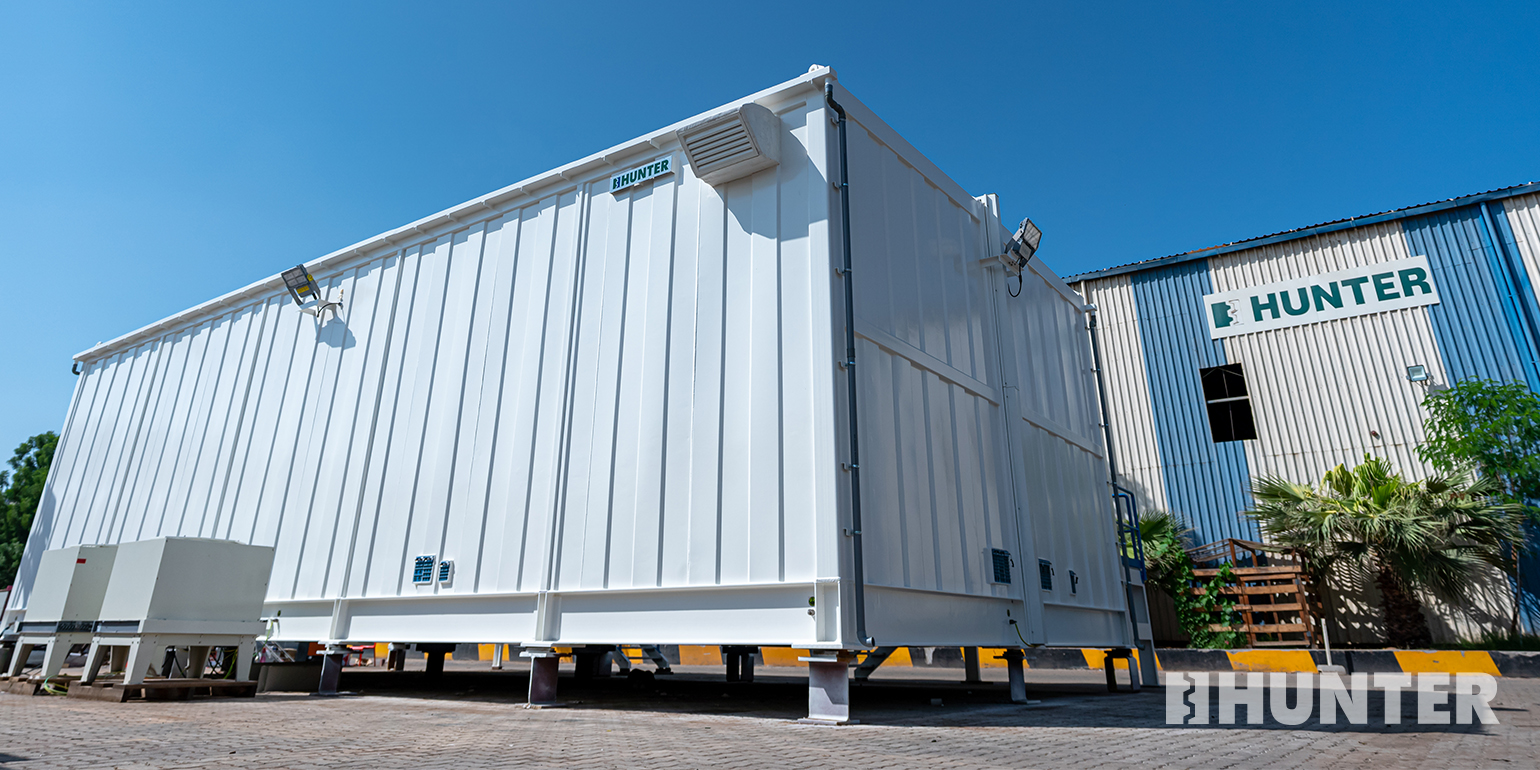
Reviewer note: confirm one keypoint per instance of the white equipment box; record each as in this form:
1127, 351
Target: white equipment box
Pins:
65, 605
188, 592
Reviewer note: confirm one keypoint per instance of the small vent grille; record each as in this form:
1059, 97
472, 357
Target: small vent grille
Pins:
446, 571
1045, 574
422, 572
720, 148
76, 626
732, 145
1002, 564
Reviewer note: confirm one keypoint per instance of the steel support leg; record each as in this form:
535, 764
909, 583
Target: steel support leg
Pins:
6, 651
872, 660
828, 688
655, 654
244, 652
734, 664
1017, 674
53, 659
543, 669
94, 662
436, 663
19, 658
497, 657
140, 651
197, 661
1110, 665
971, 665
396, 658
331, 669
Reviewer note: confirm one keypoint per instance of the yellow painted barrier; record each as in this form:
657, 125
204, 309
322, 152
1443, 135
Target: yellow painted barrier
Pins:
699, 655
782, 656
1446, 661
1098, 658
381, 650
1282, 661
484, 651
989, 657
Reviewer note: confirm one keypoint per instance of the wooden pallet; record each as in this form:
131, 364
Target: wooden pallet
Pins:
1270, 588
115, 691
28, 685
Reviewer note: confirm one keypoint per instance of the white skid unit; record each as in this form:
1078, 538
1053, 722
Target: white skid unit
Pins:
609, 404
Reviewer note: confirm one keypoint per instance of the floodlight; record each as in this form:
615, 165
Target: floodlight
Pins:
1022, 245
1417, 373
301, 285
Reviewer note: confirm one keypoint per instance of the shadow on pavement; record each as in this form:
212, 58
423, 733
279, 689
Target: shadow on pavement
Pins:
886, 702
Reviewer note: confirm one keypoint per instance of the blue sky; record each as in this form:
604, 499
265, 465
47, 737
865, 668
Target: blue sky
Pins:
155, 155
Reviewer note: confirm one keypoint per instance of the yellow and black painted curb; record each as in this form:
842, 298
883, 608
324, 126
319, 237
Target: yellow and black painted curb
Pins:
1495, 663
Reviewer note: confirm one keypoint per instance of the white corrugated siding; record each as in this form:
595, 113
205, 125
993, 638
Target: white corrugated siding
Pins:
931, 506
1128, 390
1319, 390
638, 384
1523, 214
1063, 488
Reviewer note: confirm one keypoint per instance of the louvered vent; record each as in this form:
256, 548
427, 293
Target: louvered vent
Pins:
732, 145
422, 570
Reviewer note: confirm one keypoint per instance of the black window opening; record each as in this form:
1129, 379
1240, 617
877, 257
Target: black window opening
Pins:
1229, 403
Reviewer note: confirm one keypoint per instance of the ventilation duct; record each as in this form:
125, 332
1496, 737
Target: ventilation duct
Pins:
732, 145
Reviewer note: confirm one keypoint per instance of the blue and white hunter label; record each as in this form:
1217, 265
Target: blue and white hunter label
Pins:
1346, 293
640, 174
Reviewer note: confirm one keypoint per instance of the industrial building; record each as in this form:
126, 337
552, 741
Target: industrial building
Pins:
764, 377
1289, 353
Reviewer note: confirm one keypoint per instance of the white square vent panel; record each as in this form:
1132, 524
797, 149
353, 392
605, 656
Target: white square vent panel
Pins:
732, 145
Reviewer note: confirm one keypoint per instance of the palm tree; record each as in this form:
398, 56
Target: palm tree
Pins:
1430, 535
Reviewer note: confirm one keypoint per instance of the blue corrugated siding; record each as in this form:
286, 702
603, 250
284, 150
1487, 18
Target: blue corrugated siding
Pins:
1207, 483
1528, 310
1476, 337
1484, 320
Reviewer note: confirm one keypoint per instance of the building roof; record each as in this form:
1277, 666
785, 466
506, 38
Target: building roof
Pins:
1305, 232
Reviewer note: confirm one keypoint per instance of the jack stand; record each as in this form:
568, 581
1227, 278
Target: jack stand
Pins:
332, 661
1109, 663
497, 657
544, 662
971, 665
828, 688
1017, 674
872, 660
740, 663
395, 660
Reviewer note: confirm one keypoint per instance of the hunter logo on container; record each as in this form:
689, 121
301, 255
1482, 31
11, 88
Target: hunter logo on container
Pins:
1343, 294
640, 174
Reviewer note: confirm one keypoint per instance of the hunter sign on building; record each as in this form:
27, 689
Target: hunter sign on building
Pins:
1343, 294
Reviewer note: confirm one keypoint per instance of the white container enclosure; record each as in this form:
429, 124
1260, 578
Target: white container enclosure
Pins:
609, 404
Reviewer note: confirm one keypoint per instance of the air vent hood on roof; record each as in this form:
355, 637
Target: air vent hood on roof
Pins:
732, 145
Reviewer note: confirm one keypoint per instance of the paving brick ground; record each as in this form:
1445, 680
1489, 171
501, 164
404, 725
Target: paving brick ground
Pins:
470, 719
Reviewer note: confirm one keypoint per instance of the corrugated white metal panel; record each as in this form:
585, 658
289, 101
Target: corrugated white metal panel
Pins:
1523, 213
929, 401
605, 378
595, 404
1320, 391
1062, 486
1128, 392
